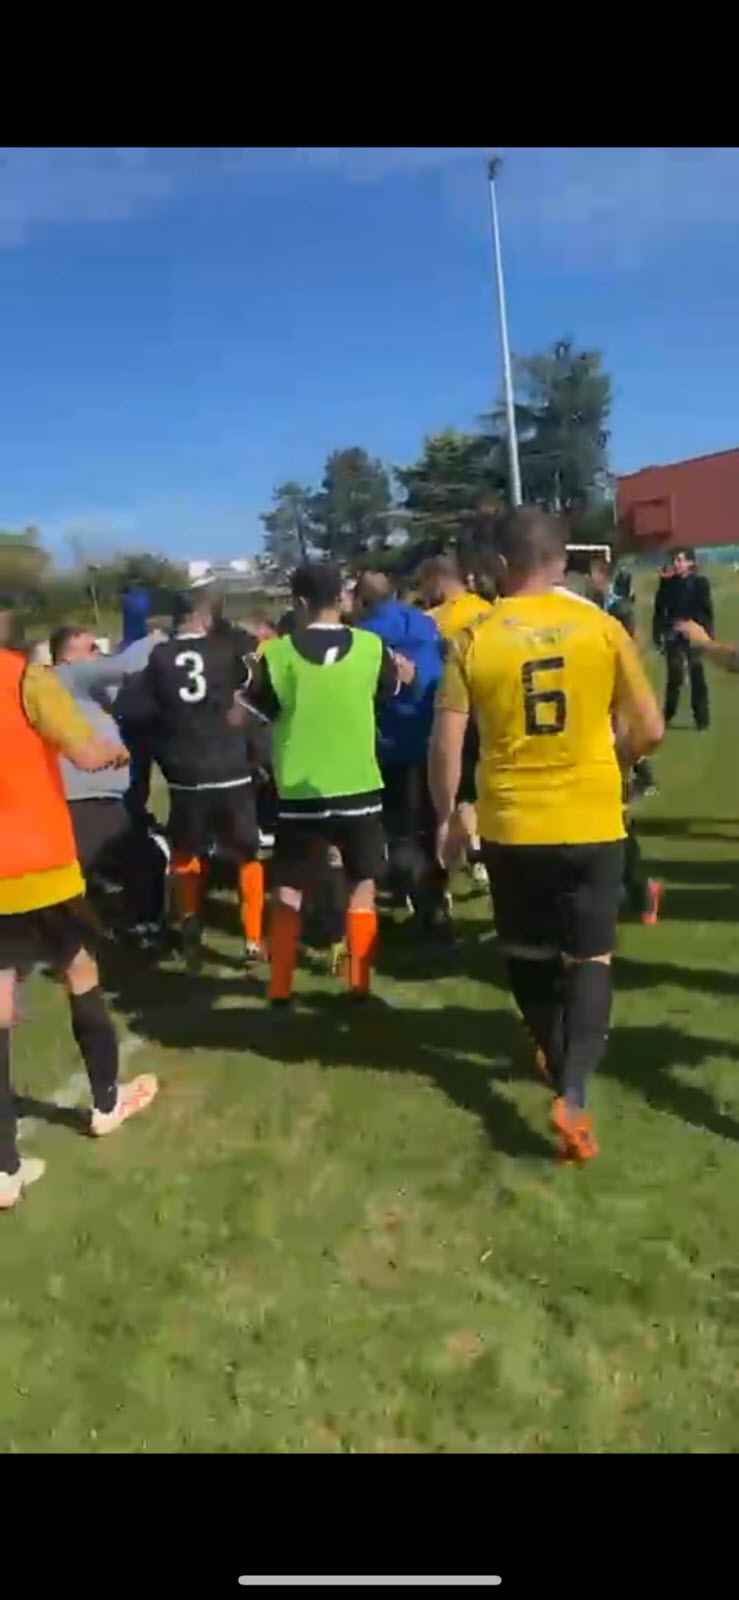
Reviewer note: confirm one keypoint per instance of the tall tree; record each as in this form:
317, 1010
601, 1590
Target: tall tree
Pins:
352, 511
454, 475
563, 401
289, 530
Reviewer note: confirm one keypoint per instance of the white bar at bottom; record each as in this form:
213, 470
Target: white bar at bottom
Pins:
367, 1582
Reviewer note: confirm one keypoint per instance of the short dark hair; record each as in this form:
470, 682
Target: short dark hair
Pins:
687, 551
528, 538
318, 584
61, 637
437, 568
192, 603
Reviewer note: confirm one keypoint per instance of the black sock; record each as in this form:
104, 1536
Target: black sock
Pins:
98, 1045
537, 988
9, 1159
587, 1015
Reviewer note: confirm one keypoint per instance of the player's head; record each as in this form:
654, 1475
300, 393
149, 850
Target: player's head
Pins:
70, 643
683, 562
260, 628
317, 587
599, 574
371, 589
440, 578
192, 611
527, 550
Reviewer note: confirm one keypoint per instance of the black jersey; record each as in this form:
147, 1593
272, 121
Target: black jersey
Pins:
189, 684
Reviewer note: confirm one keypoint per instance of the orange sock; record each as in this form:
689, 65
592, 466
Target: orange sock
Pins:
187, 875
284, 931
361, 937
251, 894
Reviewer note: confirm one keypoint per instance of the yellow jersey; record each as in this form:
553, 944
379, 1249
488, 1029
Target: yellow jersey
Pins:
542, 675
461, 612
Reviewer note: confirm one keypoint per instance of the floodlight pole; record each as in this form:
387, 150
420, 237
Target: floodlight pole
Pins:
514, 470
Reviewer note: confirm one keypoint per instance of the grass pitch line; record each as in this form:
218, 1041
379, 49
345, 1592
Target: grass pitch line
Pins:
77, 1087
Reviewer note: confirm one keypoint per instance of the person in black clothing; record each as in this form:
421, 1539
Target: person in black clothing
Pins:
643, 894
683, 596
183, 699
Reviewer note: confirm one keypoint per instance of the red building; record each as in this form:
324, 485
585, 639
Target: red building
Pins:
685, 502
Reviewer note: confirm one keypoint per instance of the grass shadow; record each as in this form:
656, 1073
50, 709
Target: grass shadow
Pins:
180, 1013
644, 1057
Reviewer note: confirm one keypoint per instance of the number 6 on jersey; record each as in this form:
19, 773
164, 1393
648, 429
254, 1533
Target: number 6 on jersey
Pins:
538, 721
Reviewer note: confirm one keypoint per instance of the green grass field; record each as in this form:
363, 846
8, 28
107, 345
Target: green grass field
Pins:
353, 1236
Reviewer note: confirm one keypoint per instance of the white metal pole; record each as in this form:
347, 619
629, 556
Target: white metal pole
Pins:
514, 469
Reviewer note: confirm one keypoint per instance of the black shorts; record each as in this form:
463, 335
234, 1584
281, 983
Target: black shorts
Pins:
226, 818
467, 793
555, 897
52, 937
361, 841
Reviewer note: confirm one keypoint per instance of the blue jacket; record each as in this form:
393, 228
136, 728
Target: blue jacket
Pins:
404, 723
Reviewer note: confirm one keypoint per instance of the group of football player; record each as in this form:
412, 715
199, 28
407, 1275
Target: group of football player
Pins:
364, 740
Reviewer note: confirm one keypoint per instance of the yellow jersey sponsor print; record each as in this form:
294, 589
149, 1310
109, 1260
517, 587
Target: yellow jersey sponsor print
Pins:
454, 615
542, 675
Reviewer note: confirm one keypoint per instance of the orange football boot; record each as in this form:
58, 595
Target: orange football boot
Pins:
577, 1141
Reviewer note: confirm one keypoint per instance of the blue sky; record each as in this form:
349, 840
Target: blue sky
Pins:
182, 328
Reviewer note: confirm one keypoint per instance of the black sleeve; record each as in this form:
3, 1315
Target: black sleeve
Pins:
658, 615
388, 682
705, 605
136, 705
258, 693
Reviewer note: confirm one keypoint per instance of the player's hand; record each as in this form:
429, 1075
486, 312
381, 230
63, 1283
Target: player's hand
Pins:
693, 632
99, 754
406, 669
451, 842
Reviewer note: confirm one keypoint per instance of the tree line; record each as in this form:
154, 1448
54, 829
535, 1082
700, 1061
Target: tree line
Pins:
364, 508
31, 584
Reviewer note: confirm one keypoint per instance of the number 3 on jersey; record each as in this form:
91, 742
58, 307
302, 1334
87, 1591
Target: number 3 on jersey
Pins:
196, 687
536, 719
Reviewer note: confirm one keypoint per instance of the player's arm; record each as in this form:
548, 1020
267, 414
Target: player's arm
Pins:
724, 655
639, 721
706, 607
451, 716
395, 670
138, 703
256, 695
51, 710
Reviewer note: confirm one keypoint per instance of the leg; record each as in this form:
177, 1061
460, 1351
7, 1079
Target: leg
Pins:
362, 844
675, 659
361, 935
699, 693
523, 884
635, 877
9, 1158
99, 826
410, 827
587, 1013
98, 1046
189, 819
294, 847
589, 904
93, 1030
237, 831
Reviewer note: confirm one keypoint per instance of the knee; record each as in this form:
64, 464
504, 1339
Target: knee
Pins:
362, 895
82, 974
